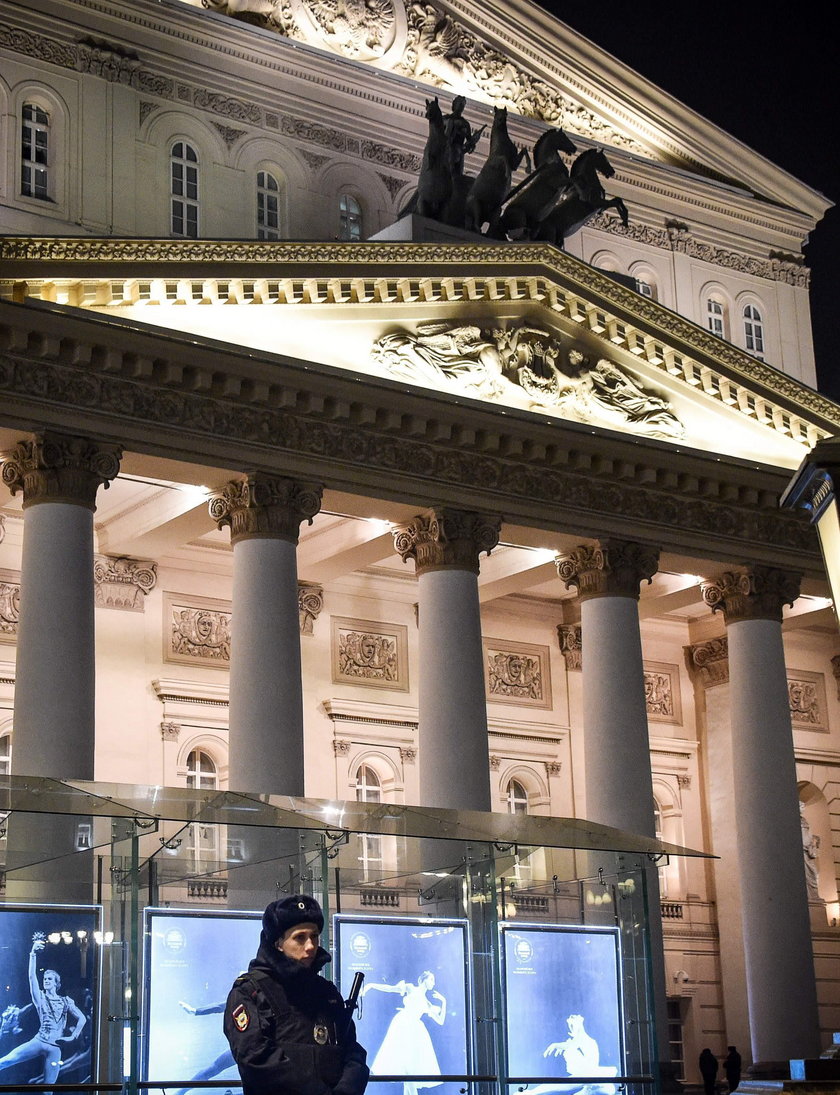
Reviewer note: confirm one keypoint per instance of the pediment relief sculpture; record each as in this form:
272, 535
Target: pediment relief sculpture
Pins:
423, 41
529, 368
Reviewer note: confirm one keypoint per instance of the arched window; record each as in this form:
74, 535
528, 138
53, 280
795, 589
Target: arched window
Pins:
35, 152
517, 798
753, 330
184, 179
349, 218
716, 317
369, 789
5, 754
268, 206
202, 775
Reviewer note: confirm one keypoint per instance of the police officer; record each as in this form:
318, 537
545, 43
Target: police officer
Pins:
289, 1030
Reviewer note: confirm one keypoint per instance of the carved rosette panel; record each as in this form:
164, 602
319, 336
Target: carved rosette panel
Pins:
708, 662
310, 603
266, 507
447, 538
121, 582
756, 593
59, 468
612, 568
571, 645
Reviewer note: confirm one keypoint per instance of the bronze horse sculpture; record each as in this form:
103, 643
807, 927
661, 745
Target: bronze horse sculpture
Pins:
435, 183
488, 192
532, 200
583, 197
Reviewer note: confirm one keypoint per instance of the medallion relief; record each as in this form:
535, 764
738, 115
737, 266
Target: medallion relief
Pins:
517, 673
806, 696
526, 367
370, 654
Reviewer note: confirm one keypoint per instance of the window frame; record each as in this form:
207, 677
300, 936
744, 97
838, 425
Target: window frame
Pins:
189, 168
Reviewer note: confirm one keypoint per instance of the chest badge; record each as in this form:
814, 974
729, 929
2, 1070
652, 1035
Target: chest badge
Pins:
321, 1035
240, 1017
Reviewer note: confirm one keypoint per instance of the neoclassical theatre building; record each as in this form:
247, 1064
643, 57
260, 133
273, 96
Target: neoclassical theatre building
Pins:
305, 492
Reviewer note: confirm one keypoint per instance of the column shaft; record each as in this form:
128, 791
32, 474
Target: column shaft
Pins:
454, 757
266, 694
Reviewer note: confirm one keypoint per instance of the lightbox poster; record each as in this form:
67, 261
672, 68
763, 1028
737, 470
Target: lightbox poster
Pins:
414, 1017
562, 1005
191, 961
49, 960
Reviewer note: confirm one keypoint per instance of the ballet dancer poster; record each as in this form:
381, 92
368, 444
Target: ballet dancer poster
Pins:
562, 1006
413, 1019
49, 959
191, 961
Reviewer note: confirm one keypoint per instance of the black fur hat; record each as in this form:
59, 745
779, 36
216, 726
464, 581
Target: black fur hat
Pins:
288, 913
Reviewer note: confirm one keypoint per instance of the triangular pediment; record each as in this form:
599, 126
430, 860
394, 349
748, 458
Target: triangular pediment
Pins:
514, 55
522, 330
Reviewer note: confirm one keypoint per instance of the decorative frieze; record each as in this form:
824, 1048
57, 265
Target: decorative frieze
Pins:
571, 645
708, 662
517, 673
9, 605
266, 507
310, 603
56, 467
196, 631
611, 568
806, 695
756, 593
370, 654
121, 582
108, 62
447, 538
662, 692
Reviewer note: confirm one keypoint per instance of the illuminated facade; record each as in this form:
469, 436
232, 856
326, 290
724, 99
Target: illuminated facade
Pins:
206, 284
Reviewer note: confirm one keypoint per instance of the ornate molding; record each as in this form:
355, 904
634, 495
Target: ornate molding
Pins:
447, 538
408, 754
495, 763
612, 568
266, 507
341, 748
9, 606
684, 783
553, 768
310, 603
169, 730
708, 662
571, 645
56, 467
756, 593
121, 582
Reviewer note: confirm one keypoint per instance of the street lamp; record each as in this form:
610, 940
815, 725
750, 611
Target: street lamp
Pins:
813, 488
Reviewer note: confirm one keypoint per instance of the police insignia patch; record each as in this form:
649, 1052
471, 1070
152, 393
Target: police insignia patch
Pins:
240, 1017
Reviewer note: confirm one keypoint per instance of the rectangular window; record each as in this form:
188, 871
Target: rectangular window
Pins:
34, 153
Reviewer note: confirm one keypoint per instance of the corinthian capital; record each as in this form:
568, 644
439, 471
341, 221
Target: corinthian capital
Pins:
447, 538
267, 507
612, 568
55, 467
755, 593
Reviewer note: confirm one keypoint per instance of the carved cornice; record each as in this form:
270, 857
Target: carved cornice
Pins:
756, 593
153, 382
612, 568
121, 582
708, 662
571, 647
56, 467
265, 507
447, 539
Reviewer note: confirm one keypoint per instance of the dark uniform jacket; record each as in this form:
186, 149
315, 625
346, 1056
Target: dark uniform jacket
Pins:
288, 1030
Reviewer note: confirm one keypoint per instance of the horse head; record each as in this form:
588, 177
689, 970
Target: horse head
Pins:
433, 111
549, 145
601, 164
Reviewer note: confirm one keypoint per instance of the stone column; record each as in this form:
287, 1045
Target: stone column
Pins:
445, 545
708, 666
619, 788
54, 721
54, 692
781, 987
264, 513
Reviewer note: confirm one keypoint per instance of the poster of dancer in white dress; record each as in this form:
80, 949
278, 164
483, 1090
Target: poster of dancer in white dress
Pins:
413, 1017
562, 1008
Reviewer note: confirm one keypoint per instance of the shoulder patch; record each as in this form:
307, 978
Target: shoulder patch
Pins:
241, 1017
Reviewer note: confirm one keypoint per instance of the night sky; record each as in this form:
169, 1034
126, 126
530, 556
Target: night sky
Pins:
767, 75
